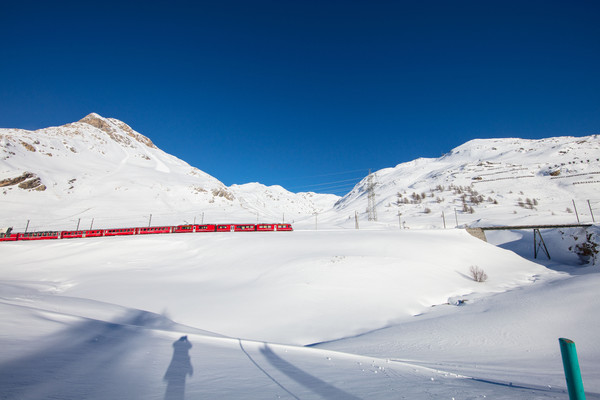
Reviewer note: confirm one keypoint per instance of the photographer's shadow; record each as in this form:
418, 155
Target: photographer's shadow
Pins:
179, 368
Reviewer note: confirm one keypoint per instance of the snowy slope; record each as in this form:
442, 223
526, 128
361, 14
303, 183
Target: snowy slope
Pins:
486, 182
101, 318
387, 313
100, 172
75, 170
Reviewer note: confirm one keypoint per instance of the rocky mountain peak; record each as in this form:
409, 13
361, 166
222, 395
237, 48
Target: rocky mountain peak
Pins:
115, 129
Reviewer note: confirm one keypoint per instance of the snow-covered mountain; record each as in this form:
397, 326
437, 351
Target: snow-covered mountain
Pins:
486, 182
99, 171
389, 313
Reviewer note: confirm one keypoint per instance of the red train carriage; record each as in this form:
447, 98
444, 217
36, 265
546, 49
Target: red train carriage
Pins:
72, 234
94, 233
273, 227
225, 228
244, 228
81, 234
8, 237
194, 228
206, 228
39, 235
283, 227
154, 229
119, 232
185, 228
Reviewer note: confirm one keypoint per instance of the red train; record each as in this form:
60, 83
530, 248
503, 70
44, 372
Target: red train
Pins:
9, 236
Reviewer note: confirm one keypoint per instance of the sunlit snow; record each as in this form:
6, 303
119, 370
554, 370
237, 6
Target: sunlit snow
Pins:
327, 311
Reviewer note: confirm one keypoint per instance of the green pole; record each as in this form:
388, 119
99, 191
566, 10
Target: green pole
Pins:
572, 371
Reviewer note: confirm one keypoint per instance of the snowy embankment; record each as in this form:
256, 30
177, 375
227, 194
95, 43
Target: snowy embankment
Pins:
93, 318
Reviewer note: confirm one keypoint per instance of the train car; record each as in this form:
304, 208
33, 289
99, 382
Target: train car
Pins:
72, 234
8, 237
185, 228
39, 235
81, 234
284, 227
194, 228
265, 227
119, 232
225, 228
94, 233
244, 228
154, 229
206, 228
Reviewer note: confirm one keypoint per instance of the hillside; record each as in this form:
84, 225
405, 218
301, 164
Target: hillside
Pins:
485, 182
88, 167
100, 171
336, 313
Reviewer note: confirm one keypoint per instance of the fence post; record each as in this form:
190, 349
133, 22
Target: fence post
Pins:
572, 371
576, 213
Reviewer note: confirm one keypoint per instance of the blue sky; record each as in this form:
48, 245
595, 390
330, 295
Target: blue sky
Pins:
306, 94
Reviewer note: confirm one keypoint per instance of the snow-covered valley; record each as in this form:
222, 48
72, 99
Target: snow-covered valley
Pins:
326, 311
97, 318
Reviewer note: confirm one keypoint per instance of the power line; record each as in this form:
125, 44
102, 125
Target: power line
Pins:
331, 174
328, 183
338, 187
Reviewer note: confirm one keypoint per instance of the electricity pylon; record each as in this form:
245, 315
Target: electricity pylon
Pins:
371, 210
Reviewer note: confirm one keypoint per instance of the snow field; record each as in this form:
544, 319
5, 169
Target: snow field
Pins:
97, 318
303, 287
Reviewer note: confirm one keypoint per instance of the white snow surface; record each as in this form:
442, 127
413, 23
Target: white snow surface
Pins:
334, 313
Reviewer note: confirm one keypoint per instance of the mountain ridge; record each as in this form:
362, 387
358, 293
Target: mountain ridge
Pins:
101, 169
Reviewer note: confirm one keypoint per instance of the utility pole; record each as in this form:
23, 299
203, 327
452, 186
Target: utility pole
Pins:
444, 219
316, 214
150, 221
91, 224
27, 227
591, 212
78, 221
399, 220
456, 217
371, 210
576, 213
356, 219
